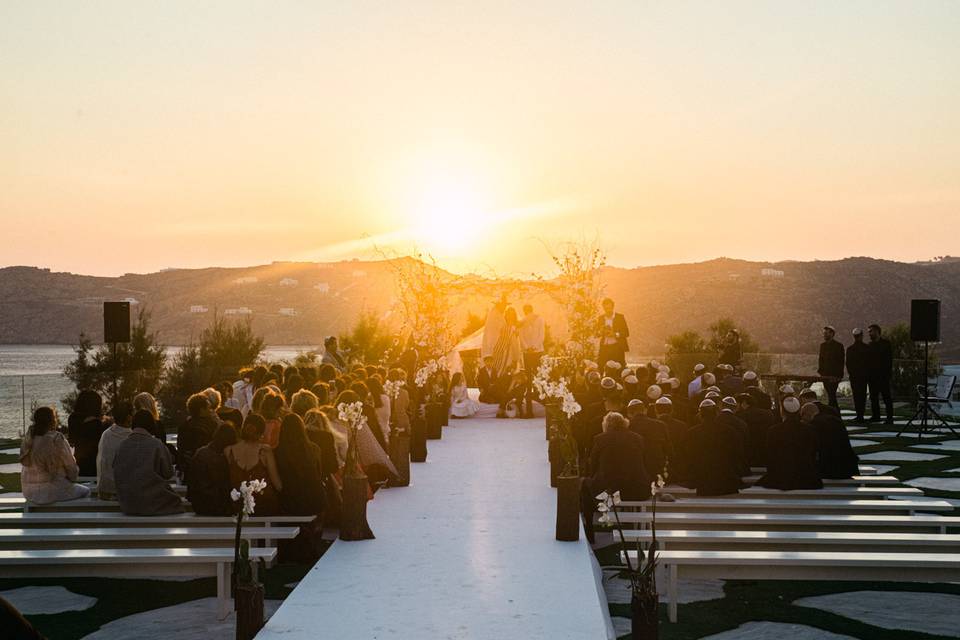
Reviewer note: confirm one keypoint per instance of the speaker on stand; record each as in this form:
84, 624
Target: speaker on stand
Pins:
116, 330
925, 328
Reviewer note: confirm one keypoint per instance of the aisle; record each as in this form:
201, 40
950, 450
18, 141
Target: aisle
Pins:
467, 551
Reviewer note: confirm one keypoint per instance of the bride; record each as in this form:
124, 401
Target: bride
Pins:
461, 404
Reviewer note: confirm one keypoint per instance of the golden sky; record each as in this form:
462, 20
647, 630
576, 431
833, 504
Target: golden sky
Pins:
141, 135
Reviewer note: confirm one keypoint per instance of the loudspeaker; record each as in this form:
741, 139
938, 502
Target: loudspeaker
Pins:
116, 322
925, 320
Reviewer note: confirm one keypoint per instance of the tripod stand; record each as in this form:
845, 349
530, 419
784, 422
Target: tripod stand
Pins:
925, 406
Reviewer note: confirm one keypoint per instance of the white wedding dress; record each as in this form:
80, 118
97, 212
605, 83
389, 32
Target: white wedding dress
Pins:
461, 404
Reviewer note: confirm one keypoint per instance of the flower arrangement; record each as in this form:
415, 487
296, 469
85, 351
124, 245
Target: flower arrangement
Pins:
428, 371
242, 571
392, 388
643, 583
351, 414
560, 401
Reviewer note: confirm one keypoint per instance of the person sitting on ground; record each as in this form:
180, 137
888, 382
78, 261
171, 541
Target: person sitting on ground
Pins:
84, 428
196, 432
251, 459
714, 455
836, 458
487, 382
301, 471
656, 442
461, 404
142, 471
49, 470
616, 463
110, 443
791, 452
209, 488
758, 421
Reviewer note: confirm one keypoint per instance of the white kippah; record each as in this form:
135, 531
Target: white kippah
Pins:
713, 387
608, 383
635, 402
699, 367
654, 392
750, 375
674, 383
626, 372
613, 364
707, 403
730, 401
631, 379
787, 390
663, 369
711, 394
590, 364
791, 405
664, 400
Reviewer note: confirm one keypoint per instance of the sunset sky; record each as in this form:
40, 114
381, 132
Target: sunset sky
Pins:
136, 136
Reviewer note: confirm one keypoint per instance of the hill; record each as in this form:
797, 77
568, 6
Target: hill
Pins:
782, 304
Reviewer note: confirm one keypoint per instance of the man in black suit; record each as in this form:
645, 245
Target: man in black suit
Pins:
758, 419
880, 370
488, 382
656, 440
613, 331
858, 365
835, 456
714, 454
830, 364
616, 463
791, 452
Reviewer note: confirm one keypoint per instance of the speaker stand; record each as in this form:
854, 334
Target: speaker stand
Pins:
925, 408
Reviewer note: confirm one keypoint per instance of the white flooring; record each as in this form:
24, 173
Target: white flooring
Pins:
467, 551
194, 620
934, 613
46, 600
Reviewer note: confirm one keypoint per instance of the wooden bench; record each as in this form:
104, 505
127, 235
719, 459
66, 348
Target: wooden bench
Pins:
793, 521
855, 481
117, 519
799, 505
864, 470
131, 562
682, 540
141, 538
825, 493
81, 504
805, 565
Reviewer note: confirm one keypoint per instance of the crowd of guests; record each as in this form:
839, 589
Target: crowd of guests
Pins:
640, 422
280, 424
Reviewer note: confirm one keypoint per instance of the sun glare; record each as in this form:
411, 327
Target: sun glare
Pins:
451, 216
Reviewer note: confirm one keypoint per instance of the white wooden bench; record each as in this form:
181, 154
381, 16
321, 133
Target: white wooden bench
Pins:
117, 519
682, 539
805, 565
793, 521
825, 493
90, 503
126, 563
140, 538
774, 505
864, 470
855, 481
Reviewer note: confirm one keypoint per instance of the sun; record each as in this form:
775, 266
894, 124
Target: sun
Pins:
451, 216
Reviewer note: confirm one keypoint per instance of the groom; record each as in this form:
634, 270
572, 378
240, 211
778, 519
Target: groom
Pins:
613, 331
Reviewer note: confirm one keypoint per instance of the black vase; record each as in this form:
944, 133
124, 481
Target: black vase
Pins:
418, 439
400, 456
568, 508
434, 416
556, 463
645, 617
445, 416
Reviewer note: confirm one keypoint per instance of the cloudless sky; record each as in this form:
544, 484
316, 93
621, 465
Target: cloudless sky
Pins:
141, 135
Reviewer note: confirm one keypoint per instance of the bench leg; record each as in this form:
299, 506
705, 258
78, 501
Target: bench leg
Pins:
223, 590
672, 593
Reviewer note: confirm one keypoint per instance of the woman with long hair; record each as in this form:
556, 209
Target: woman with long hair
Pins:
461, 404
371, 456
84, 429
49, 469
250, 459
300, 467
507, 356
381, 405
272, 411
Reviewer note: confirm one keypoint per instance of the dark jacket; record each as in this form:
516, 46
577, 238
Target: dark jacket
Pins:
487, 384
193, 434
880, 360
835, 456
617, 463
830, 364
619, 329
792, 456
858, 360
328, 449
209, 487
714, 463
731, 354
302, 478
142, 472
84, 437
656, 442
758, 422
742, 433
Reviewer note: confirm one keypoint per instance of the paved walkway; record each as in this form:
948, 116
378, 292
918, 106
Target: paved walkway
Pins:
467, 551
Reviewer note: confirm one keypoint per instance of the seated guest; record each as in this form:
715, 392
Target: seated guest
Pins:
110, 443
590, 425
809, 395
487, 382
333, 446
371, 456
727, 414
223, 411
301, 471
461, 404
84, 428
303, 401
513, 391
196, 432
251, 459
616, 463
676, 429
712, 448
835, 456
209, 487
381, 404
656, 443
758, 420
142, 471
272, 410
49, 471
791, 452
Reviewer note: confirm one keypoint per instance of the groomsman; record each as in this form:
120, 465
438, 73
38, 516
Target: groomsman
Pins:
880, 372
532, 333
613, 331
830, 364
858, 364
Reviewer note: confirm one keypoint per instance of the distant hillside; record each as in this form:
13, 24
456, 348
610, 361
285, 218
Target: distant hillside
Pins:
782, 304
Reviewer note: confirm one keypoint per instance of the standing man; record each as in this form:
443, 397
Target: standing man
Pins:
858, 358
879, 373
331, 354
613, 331
532, 330
830, 364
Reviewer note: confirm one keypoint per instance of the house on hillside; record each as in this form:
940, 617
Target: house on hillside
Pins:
288, 311
322, 287
359, 273
771, 273
198, 308
289, 282
246, 280
238, 311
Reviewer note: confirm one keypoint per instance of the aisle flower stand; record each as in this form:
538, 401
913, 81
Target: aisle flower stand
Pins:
247, 591
354, 524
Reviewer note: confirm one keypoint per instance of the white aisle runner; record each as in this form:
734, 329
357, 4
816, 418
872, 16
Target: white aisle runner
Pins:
467, 551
